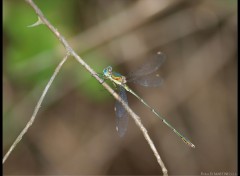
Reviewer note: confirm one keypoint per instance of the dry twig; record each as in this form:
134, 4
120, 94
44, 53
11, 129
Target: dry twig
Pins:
30, 122
70, 51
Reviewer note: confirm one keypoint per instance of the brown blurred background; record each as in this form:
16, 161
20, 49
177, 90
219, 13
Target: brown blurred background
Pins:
74, 132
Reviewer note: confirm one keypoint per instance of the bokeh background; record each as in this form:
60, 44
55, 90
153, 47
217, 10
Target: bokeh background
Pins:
74, 132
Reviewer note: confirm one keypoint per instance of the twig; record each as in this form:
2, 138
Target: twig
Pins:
95, 75
30, 122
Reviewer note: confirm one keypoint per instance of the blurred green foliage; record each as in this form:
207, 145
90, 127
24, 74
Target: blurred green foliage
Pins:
30, 53
198, 38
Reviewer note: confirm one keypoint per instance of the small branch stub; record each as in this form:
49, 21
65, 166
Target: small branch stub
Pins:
39, 21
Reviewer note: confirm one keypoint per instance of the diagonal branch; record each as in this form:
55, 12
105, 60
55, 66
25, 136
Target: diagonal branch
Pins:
95, 75
30, 122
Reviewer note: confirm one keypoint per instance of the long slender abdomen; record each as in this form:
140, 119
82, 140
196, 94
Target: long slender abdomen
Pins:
185, 140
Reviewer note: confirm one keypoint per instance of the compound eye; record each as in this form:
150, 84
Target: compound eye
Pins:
110, 69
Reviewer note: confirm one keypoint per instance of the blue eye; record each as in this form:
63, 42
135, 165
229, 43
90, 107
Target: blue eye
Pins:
107, 71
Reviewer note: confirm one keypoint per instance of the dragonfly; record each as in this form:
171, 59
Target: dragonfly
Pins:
144, 76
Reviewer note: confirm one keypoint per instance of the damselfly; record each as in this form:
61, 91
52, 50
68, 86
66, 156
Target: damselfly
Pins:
144, 77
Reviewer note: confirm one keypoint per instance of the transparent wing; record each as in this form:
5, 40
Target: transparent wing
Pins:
121, 114
149, 81
151, 66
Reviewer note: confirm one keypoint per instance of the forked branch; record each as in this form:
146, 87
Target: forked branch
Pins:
70, 51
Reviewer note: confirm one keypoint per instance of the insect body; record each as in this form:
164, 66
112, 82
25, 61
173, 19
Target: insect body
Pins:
143, 77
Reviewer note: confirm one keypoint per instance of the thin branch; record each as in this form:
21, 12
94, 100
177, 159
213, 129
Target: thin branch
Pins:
30, 122
95, 75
